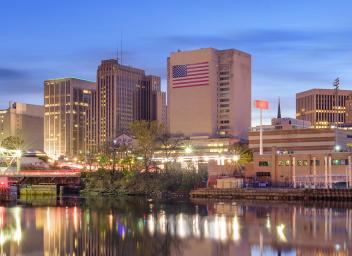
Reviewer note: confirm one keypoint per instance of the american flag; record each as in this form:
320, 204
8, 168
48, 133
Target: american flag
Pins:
190, 75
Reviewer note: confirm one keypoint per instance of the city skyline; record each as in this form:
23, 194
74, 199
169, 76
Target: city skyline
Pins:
305, 51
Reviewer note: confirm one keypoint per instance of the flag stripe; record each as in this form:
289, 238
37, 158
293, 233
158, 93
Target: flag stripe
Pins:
197, 81
190, 85
188, 75
192, 78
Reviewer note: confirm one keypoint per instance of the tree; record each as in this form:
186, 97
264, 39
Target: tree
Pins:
168, 143
146, 134
12, 142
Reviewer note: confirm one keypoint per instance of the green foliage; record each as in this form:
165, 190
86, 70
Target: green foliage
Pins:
146, 134
132, 182
12, 142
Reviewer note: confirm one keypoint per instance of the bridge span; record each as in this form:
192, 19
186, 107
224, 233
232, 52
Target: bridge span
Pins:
35, 177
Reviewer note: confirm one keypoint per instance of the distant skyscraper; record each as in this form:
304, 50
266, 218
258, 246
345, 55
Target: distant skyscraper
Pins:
25, 121
321, 108
67, 102
124, 94
209, 92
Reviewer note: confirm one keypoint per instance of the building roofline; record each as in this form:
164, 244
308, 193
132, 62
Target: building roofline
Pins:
322, 89
211, 48
69, 78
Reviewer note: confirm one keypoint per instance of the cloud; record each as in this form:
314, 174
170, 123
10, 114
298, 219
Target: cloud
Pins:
8, 73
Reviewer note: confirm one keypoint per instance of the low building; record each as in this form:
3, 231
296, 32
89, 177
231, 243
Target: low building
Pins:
312, 169
25, 121
301, 140
322, 107
215, 154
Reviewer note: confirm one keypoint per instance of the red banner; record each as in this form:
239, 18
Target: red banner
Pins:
262, 104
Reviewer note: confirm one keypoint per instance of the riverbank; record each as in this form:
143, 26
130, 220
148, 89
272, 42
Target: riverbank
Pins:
274, 194
173, 184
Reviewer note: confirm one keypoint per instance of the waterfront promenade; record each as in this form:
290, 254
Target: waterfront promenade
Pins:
284, 194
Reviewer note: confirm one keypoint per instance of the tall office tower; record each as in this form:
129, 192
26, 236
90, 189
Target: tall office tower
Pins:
150, 101
348, 105
67, 102
25, 121
124, 94
321, 107
209, 93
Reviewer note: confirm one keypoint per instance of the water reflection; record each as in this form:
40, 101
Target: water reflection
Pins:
132, 226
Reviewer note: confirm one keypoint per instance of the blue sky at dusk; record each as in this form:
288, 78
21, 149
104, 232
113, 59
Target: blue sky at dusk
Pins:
295, 45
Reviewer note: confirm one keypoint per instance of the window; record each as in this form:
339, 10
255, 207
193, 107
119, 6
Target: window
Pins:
224, 100
224, 105
263, 174
281, 163
299, 163
339, 162
225, 127
317, 162
287, 162
305, 162
224, 89
263, 163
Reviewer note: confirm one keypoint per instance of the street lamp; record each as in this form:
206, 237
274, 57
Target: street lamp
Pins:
188, 150
336, 85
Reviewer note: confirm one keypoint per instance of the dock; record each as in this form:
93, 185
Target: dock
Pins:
282, 194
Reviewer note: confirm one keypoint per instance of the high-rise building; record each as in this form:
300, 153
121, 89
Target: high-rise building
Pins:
322, 107
209, 93
67, 103
124, 94
348, 106
25, 121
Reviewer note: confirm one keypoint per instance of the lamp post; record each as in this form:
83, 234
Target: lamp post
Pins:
303, 114
261, 104
336, 86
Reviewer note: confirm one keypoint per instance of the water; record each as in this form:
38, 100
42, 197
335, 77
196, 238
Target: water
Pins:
137, 226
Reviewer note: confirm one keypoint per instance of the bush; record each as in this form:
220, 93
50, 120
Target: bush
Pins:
127, 182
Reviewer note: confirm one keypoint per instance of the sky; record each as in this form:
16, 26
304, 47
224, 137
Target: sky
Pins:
295, 45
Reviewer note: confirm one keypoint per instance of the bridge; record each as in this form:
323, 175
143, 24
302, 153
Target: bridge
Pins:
33, 177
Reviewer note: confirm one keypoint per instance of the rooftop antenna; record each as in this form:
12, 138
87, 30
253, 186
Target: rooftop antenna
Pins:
117, 54
121, 48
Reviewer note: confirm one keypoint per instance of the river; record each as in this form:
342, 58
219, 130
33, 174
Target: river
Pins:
139, 226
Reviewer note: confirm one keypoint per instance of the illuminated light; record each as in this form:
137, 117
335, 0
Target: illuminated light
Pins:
280, 231
151, 224
223, 228
337, 147
188, 150
18, 153
162, 222
181, 227
235, 229
111, 218
268, 224
196, 230
262, 104
236, 158
206, 229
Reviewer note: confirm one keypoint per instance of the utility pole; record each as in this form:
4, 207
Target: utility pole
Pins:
336, 86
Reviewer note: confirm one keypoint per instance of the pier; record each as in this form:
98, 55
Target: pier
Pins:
282, 194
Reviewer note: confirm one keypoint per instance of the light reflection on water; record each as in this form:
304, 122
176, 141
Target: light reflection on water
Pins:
134, 226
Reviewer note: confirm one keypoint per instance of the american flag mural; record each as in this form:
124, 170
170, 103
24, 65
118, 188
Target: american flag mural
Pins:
190, 75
